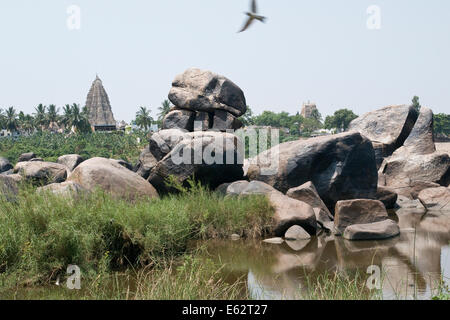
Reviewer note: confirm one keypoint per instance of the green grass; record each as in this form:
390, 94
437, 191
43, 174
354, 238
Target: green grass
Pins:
50, 146
40, 234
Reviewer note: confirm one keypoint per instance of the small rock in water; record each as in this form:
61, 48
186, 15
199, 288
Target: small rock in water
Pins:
235, 237
297, 233
274, 240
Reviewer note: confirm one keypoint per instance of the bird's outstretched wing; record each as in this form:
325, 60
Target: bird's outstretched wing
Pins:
247, 24
254, 7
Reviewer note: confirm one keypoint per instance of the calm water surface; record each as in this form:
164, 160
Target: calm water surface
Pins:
412, 264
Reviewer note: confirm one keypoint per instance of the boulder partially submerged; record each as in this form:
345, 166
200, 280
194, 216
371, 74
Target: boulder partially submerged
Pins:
358, 211
340, 166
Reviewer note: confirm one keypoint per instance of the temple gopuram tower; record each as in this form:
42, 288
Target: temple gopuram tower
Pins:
100, 114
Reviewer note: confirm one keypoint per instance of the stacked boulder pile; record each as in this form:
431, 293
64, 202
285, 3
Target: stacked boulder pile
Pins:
342, 184
204, 101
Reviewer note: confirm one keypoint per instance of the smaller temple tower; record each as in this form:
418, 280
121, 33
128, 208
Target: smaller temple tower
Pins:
307, 109
100, 114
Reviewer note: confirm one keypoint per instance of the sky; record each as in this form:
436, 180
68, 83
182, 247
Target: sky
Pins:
321, 51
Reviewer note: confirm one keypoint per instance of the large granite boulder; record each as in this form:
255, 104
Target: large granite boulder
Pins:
421, 138
407, 174
71, 161
179, 119
436, 198
387, 128
212, 158
258, 188
163, 141
5, 165
372, 231
147, 161
201, 90
109, 175
66, 189
308, 194
340, 166
358, 211
40, 172
8, 188
236, 188
290, 212
26, 156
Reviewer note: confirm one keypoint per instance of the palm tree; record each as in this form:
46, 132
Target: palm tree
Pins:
79, 119
11, 120
143, 118
40, 117
66, 117
2, 120
164, 109
52, 114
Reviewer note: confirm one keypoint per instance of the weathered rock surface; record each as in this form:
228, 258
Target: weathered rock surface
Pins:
387, 128
179, 119
146, 163
408, 174
258, 188
387, 196
26, 156
163, 141
421, 138
201, 90
203, 121
41, 172
212, 158
5, 165
358, 211
8, 188
110, 176
296, 233
308, 194
124, 163
340, 166
436, 198
407, 203
67, 188
71, 161
290, 212
372, 231
236, 188
224, 121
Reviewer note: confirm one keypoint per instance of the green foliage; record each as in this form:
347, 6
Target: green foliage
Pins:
41, 233
50, 146
442, 124
416, 104
143, 119
340, 120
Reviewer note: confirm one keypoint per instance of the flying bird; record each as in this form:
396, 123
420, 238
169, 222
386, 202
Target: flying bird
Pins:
252, 16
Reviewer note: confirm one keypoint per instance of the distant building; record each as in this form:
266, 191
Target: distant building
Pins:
100, 114
308, 109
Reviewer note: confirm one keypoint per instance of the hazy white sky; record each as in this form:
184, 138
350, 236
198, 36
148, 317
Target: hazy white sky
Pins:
316, 50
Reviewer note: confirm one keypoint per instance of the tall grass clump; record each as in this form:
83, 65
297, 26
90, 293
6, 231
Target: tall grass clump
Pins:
40, 233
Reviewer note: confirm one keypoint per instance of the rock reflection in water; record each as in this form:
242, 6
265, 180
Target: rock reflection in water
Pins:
412, 264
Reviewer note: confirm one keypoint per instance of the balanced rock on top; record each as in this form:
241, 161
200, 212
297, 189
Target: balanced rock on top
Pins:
207, 98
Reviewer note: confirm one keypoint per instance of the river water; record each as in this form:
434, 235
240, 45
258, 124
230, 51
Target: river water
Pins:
412, 265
